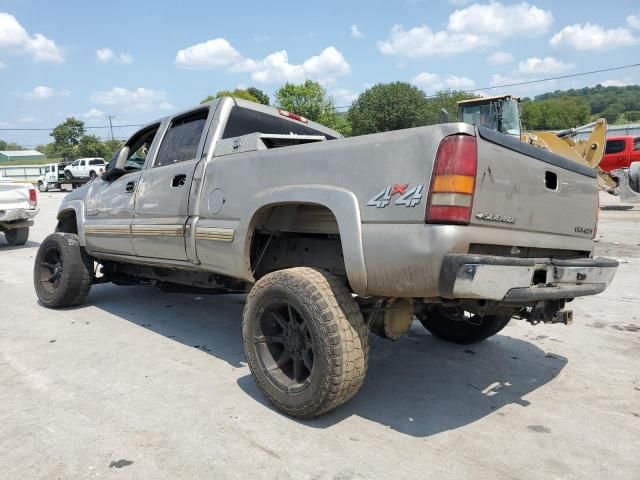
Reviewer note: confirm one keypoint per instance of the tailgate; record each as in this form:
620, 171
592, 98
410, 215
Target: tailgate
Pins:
14, 195
522, 187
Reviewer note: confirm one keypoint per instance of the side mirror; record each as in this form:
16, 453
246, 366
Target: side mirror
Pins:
116, 165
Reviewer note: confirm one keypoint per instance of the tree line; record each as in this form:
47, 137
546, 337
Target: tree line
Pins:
381, 108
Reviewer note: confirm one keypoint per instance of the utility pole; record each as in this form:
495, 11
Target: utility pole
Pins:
111, 125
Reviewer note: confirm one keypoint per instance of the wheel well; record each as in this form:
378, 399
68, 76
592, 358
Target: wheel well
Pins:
67, 222
295, 235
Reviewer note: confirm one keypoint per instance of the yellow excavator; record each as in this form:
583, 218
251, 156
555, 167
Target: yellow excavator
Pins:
503, 114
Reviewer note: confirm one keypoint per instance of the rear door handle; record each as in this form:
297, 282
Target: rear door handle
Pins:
178, 180
130, 187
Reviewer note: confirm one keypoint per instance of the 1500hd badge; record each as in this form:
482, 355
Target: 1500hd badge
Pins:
409, 197
494, 217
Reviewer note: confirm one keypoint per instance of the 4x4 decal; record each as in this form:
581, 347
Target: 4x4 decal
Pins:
408, 197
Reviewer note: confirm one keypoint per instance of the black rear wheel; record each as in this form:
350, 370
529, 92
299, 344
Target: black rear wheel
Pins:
305, 340
68, 175
63, 272
17, 236
458, 326
42, 187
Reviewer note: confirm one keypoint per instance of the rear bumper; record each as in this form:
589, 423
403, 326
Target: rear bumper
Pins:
523, 280
17, 214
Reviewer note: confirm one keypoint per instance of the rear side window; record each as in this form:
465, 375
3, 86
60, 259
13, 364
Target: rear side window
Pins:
636, 143
243, 121
614, 146
181, 141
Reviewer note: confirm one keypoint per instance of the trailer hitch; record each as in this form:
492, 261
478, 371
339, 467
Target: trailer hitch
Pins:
549, 311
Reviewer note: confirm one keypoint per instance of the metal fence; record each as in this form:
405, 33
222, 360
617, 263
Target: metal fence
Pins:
632, 129
27, 173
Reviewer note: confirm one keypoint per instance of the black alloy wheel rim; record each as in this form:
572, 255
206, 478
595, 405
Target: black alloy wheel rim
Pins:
284, 345
50, 269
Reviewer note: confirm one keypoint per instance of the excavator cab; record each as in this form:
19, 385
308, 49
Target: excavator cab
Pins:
500, 113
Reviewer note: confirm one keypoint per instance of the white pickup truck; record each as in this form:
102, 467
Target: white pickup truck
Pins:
18, 206
85, 168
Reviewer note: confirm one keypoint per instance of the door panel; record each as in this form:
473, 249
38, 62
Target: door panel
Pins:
108, 215
162, 200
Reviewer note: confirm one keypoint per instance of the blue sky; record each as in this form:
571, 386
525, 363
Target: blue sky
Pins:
139, 60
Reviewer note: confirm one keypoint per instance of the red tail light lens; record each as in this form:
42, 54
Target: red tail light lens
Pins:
453, 181
33, 197
293, 116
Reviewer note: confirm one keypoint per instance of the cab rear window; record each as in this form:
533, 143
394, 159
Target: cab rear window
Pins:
243, 121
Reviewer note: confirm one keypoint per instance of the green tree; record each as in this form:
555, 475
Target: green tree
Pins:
310, 100
555, 113
90, 146
237, 93
10, 146
67, 136
262, 97
110, 147
447, 99
388, 106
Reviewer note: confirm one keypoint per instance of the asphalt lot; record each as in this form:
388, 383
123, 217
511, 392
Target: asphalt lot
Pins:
142, 384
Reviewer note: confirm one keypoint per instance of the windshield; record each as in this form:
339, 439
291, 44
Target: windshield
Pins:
510, 118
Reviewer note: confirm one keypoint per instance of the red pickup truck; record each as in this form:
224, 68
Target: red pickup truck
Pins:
620, 152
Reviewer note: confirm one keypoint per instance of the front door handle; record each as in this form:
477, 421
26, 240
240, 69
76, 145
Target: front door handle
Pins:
130, 187
178, 180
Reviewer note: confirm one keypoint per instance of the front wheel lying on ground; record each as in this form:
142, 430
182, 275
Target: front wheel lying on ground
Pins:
457, 326
305, 341
63, 272
17, 236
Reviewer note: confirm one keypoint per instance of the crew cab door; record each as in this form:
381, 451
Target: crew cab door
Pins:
162, 198
109, 205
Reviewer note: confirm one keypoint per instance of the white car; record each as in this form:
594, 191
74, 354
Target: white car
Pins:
85, 167
18, 206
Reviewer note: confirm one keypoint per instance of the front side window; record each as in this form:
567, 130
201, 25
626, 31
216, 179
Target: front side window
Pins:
181, 141
614, 146
76, 163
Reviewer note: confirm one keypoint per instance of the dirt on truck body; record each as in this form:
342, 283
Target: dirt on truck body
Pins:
460, 226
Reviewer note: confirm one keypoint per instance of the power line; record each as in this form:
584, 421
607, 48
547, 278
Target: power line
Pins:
548, 79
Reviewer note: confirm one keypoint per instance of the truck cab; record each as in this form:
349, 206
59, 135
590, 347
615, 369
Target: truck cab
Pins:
620, 152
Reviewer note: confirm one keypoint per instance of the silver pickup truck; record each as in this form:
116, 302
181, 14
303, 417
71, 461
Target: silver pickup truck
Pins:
458, 226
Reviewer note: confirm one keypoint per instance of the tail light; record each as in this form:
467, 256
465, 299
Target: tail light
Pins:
453, 181
33, 197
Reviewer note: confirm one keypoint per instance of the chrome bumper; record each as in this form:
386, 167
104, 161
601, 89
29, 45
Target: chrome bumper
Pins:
522, 280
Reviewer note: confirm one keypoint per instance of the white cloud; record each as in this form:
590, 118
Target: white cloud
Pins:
14, 39
499, 79
616, 83
590, 37
2, 65
140, 99
500, 58
5, 125
93, 114
459, 3
546, 66
469, 28
420, 42
274, 68
212, 54
43, 92
634, 20
501, 20
356, 33
343, 97
433, 82
106, 55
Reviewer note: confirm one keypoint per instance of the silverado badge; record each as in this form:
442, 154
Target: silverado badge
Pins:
494, 217
409, 197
